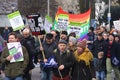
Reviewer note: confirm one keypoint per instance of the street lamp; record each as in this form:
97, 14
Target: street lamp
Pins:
109, 15
48, 7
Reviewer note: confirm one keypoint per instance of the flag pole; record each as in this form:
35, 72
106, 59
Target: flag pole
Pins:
60, 74
43, 54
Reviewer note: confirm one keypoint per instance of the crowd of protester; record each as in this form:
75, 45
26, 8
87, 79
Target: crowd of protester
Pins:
93, 58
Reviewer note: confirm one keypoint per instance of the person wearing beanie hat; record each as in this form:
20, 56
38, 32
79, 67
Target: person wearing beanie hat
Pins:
72, 39
72, 43
82, 44
65, 61
83, 68
62, 41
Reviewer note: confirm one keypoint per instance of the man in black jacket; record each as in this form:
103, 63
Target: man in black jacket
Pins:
48, 46
29, 43
65, 60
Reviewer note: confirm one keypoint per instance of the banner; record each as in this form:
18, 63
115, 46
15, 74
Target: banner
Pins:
35, 23
15, 49
48, 24
78, 23
16, 21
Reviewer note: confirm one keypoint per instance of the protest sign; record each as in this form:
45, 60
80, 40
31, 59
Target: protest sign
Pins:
117, 24
15, 49
48, 23
16, 21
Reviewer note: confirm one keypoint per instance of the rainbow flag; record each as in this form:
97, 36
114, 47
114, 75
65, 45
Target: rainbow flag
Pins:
78, 23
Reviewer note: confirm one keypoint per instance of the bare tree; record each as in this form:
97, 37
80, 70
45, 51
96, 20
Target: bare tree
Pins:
27, 7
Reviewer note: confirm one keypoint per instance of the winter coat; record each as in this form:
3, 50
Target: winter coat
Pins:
48, 49
1, 44
98, 45
90, 38
83, 68
29, 44
100, 65
114, 52
66, 59
16, 68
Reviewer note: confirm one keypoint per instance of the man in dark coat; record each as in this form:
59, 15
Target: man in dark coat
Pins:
98, 45
47, 47
29, 43
64, 59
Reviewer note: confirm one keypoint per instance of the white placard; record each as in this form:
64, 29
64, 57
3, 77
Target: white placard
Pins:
117, 24
15, 49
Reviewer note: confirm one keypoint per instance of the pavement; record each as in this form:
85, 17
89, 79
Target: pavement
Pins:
36, 73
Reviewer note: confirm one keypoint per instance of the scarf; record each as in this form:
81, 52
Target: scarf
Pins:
86, 56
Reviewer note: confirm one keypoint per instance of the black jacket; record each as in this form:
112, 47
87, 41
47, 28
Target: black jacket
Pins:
82, 72
48, 49
98, 45
100, 65
114, 51
66, 59
29, 44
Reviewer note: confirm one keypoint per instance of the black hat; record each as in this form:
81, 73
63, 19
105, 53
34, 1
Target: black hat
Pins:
42, 32
49, 36
64, 32
91, 28
62, 41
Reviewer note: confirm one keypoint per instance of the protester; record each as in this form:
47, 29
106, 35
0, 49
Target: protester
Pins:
5, 33
105, 36
83, 68
46, 49
2, 66
28, 42
98, 45
1, 44
64, 59
72, 43
64, 35
90, 39
15, 70
56, 35
100, 67
113, 58
73, 34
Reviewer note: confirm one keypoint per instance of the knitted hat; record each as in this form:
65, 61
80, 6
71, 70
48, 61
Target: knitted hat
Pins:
62, 41
82, 43
72, 39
